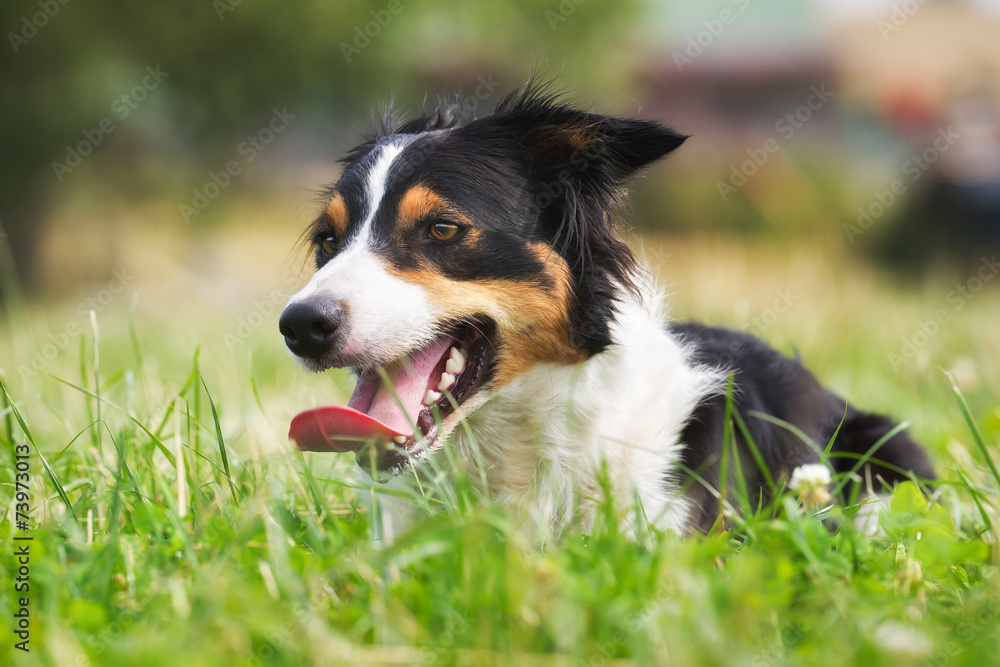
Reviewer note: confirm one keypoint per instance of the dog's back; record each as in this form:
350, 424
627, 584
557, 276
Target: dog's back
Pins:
765, 382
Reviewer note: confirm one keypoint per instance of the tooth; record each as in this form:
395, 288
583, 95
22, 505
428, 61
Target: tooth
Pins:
431, 397
456, 362
399, 439
447, 380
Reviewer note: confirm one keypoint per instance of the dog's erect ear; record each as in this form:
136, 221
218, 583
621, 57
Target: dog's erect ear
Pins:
576, 145
623, 145
579, 162
591, 146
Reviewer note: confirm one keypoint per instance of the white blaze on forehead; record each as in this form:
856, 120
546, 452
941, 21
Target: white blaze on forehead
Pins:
386, 316
378, 174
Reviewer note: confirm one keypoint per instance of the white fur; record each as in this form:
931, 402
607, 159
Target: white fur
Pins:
377, 176
543, 437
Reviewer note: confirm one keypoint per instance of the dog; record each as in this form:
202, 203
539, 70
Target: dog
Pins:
471, 274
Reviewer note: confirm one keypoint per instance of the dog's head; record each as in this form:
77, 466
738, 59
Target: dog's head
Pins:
451, 258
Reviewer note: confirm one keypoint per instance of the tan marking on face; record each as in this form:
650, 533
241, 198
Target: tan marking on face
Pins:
336, 214
420, 203
532, 320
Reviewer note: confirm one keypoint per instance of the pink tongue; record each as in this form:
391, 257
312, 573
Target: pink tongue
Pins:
373, 412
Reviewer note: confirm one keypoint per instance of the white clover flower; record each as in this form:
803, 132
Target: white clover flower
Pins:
810, 482
903, 641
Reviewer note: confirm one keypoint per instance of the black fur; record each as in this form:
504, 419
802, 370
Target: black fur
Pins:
539, 171
536, 170
768, 382
577, 185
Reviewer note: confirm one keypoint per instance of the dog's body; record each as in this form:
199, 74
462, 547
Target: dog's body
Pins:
544, 437
470, 273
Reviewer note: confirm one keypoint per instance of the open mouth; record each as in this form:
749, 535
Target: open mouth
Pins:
395, 412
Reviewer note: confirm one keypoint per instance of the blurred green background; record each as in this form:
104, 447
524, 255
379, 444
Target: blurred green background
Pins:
182, 144
839, 197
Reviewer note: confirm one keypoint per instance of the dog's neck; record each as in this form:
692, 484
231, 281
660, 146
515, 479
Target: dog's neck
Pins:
543, 439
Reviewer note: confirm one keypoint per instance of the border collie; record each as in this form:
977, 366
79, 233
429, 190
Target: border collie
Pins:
472, 276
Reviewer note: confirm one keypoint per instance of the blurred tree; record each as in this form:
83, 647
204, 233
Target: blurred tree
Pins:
226, 63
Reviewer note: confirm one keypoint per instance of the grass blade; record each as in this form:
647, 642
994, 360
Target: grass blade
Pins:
221, 440
833, 438
755, 451
977, 435
48, 469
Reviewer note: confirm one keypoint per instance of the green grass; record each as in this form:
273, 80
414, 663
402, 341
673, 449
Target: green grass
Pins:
173, 525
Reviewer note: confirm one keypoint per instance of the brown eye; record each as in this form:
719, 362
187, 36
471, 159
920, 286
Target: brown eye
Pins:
444, 231
329, 245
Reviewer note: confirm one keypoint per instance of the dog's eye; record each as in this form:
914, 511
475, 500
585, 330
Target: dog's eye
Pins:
328, 245
443, 231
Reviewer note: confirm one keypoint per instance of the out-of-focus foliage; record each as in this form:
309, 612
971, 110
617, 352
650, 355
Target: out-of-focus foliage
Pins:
227, 63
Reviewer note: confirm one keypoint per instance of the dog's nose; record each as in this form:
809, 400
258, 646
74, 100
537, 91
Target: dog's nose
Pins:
311, 327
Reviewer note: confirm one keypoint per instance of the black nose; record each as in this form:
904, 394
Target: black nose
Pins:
312, 327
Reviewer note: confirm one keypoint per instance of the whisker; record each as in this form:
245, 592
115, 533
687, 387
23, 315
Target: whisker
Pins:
483, 334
